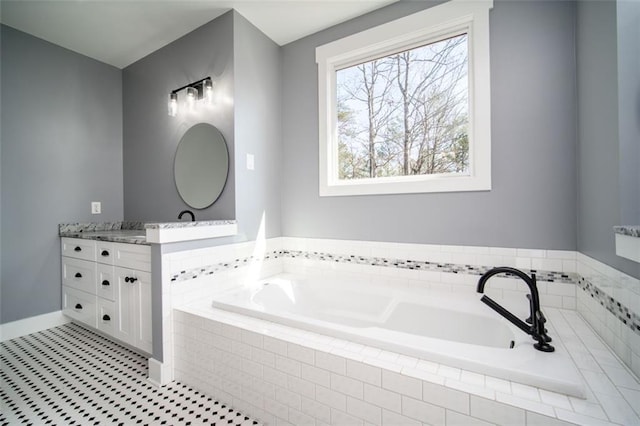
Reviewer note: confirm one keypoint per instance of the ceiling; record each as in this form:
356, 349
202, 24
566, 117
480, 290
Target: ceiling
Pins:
120, 32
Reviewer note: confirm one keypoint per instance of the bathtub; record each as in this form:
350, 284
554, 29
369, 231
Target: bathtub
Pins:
454, 330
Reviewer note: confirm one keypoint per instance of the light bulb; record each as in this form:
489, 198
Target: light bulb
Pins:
208, 90
173, 104
192, 95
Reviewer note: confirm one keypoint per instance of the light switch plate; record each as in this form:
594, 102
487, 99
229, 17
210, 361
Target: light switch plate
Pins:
96, 207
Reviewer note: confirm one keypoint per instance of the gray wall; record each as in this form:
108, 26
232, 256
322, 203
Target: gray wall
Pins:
258, 131
61, 149
151, 136
532, 203
628, 31
599, 195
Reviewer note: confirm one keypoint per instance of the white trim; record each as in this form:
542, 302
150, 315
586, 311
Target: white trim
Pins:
160, 373
172, 235
423, 26
628, 247
22, 327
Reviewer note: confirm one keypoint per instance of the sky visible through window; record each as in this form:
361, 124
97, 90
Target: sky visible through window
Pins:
406, 113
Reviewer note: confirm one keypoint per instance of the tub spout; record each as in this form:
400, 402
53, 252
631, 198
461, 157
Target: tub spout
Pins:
536, 329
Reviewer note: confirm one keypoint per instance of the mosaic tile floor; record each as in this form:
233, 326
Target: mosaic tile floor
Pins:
68, 375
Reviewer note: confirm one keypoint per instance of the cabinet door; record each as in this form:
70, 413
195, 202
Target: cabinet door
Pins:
133, 308
125, 301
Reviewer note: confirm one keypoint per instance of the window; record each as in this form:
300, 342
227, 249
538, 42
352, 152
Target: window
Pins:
404, 107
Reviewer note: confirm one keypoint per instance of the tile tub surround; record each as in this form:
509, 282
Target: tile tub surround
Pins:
236, 263
285, 376
610, 302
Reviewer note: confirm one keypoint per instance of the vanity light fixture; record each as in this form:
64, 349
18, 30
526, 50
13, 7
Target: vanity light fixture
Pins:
201, 89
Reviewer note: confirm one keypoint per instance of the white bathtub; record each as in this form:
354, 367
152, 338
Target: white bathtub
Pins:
455, 330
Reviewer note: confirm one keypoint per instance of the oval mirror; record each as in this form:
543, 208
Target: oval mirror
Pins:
201, 165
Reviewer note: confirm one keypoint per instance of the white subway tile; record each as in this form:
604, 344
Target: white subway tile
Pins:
276, 408
579, 419
402, 384
363, 372
445, 397
347, 385
471, 389
395, 419
331, 398
289, 398
288, 366
302, 387
496, 412
382, 398
315, 375
535, 419
251, 338
423, 411
330, 362
340, 418
364, 410
617, 409
316, 410
525, 404
300, 419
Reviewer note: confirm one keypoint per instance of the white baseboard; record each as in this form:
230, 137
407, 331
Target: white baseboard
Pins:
159, 373
22, 327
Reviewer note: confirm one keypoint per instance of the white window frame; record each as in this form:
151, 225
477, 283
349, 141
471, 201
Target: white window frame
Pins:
427, 26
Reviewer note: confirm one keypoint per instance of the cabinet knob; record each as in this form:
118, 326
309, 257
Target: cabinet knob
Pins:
106, 283
77, 248
104, 253
126, 279
78, 306
78, 275
106, 318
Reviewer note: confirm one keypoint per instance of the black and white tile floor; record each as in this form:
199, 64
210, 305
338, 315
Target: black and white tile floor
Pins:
68, 375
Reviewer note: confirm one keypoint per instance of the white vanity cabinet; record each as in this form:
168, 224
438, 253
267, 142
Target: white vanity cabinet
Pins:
107, 286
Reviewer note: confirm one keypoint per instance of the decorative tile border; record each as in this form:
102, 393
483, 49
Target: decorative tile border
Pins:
619, 310
548, 276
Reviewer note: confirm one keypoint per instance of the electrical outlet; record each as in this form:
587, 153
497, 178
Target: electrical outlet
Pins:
96, 207
250, 162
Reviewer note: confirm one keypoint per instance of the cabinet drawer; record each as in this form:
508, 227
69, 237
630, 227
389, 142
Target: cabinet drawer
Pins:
79, 305
106, 283
78, 248
106, 316
133, 256
104, 252
79, 274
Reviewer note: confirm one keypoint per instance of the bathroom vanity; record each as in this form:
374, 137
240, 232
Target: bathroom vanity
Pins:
107, 281
107, 286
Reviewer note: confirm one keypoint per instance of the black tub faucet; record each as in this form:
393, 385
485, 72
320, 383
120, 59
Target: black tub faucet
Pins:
183, 212
536, 329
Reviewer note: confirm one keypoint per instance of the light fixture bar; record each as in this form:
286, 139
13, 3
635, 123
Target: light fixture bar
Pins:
200, 89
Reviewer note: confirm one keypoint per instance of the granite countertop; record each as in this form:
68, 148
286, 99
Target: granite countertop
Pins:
127, 232
188, 224
632, 231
